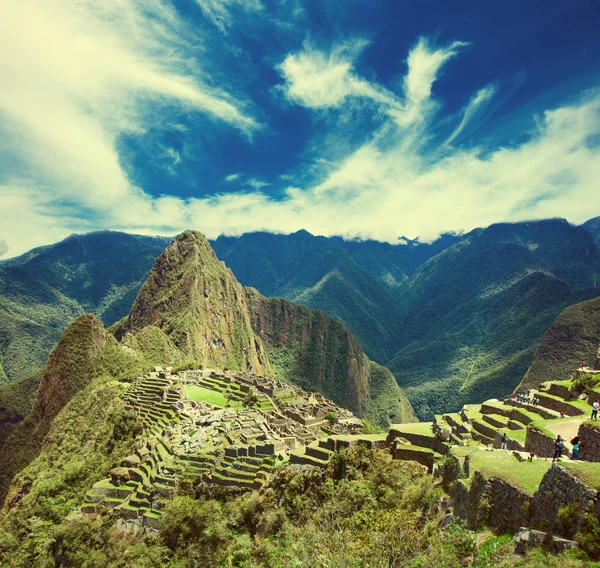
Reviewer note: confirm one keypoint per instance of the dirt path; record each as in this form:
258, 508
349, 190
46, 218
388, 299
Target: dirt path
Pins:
567, 429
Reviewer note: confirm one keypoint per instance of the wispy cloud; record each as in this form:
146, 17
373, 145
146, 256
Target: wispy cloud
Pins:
219, 12
256, 183
79, 76
232, 177
320, 79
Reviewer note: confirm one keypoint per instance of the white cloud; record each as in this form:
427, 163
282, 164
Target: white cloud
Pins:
318, 80
79, 75
63, 122
256, 183
477, 105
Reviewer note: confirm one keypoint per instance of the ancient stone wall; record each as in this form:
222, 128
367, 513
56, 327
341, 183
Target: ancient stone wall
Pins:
558, 489
589, 435
558, 405
509, 506
422, 440
491, 501
541, 444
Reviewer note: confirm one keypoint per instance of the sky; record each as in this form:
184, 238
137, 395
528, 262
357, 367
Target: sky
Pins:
361, 118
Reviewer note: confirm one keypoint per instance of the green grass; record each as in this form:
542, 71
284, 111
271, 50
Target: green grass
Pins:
201, 394
518, 435
587, 472
503, 465
423, 428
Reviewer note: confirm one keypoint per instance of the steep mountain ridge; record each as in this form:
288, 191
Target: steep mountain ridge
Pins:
473, 314
192, 308
196, 302
44, 289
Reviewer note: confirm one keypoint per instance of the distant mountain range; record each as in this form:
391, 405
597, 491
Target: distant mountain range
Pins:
457, 320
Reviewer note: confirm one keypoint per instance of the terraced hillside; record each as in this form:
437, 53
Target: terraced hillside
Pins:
209, 430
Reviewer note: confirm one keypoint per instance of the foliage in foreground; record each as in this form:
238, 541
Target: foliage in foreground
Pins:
364, 511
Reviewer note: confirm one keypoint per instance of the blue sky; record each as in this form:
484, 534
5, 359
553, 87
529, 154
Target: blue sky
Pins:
362, 118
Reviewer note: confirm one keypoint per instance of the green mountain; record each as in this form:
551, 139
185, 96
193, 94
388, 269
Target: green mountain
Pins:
192, 309
593, 227
44, 289
474, 314
192, 312
572, 338
320, 274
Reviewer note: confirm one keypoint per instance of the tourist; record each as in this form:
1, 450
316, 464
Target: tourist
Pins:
503, 441
559, 446
575, 452
583, 364
596, 364
595, 408
562, 414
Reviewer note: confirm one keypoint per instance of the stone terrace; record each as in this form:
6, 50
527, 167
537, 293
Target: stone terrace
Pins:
209, 442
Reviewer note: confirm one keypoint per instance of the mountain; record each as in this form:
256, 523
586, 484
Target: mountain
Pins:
192, 312
474, 314
44, 289
355, 282
192, 309
573, 337
593, 227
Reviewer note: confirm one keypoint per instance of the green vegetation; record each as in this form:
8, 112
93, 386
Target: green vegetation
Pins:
43, 290
587, 472
573, 337
202, 394
525, 475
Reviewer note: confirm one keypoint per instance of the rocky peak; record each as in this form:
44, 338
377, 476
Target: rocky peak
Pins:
196, 301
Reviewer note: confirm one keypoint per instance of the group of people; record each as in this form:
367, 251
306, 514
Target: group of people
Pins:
526, 398
559, 447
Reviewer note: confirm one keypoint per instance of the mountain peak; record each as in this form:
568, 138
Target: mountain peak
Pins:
198, 306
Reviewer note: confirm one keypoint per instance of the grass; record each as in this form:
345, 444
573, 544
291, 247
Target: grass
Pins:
202, 394
503, 465
587, 472
518, 435
423, 428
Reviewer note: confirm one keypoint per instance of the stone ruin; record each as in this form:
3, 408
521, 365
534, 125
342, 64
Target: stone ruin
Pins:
189, 446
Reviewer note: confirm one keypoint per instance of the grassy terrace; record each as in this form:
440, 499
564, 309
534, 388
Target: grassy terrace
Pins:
518, 435
524, 475
423, 428
587, 472
201, 394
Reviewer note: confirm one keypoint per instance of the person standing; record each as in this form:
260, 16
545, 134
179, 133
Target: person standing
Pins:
559, 446
576, 444
595, 408
503, 441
